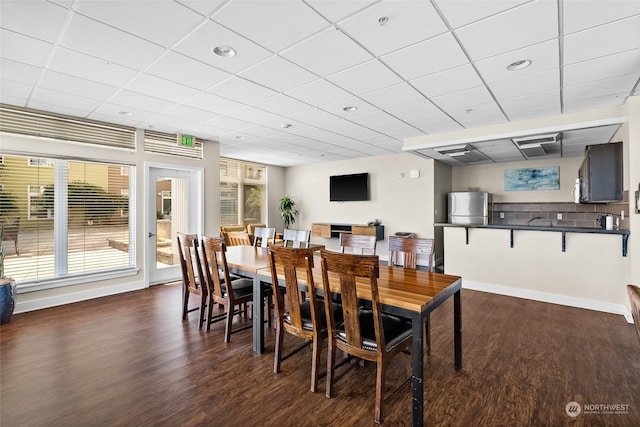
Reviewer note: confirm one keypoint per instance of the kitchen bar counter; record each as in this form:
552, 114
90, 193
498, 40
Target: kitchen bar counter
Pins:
563, 230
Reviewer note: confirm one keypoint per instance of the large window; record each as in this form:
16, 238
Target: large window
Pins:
73, 218
242, 192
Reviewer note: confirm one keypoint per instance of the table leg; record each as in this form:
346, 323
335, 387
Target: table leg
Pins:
457, 330
418, 372
258, 316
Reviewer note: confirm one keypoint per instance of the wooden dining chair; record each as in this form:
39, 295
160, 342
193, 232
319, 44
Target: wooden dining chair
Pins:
231, 294
296, 238
238, 238
368, 334
358, 243
299, 314
404, 252
634, 300
262, 236
191, 280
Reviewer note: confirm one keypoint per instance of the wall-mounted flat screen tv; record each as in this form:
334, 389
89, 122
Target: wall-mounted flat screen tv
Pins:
347, 188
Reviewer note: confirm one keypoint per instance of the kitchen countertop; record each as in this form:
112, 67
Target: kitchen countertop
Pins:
563, 230
536, 228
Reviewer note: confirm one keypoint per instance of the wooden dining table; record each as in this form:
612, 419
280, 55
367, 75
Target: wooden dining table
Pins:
413, 294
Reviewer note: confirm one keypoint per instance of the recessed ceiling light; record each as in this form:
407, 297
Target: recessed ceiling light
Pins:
469, 110
286, 125
126, 113
350, 108
224, 51
519, 65
383, 20
239, 137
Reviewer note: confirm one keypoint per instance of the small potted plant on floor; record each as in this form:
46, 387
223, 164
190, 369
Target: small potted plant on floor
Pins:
7, 288
288, 211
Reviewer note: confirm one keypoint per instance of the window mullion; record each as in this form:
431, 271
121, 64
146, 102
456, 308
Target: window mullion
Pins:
60, 216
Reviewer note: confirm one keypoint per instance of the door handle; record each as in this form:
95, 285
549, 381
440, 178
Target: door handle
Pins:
151, 234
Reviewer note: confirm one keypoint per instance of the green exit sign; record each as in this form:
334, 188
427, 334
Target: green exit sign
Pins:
186, 140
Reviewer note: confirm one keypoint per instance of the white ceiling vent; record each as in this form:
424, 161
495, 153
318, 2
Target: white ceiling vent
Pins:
538, 145
466, 154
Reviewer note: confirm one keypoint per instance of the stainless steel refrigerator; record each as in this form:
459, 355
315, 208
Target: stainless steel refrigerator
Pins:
469, 207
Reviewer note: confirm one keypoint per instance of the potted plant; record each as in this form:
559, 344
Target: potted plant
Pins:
7, 288
288, 211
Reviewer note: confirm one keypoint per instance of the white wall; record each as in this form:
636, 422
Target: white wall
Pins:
490, 177
400, 203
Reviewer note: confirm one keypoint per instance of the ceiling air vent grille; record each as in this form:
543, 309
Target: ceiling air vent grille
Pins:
466, 154
537, 145
42, 124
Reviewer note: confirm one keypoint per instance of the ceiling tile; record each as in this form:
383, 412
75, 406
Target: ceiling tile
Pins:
14, 93
536, 101
408, 22
279, 74
101, 41
24, 49
516, 28
317, 117
525, 85
73, 106
140, 101
487, 113
393, 95
365, 77
155, 86
580, 15
601, 68
80, 65
283, 105
337, 108
621, 84
199, 45
546, 111
38, 19
327, 53
204, 8
335, 10
19, 72
543, 56
168, 23
254, 115
318, 92
435, 123
463, 99
463, 12
112, 111
417, 60
273, 25
52, 97
412, 110
596, 42
241, 90
573, 105
190, 113
189, 72
213, 103
382, 122
76, 86
227, 122
450, 81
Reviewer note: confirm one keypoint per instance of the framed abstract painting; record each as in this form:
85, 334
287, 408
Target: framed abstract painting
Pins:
529, 179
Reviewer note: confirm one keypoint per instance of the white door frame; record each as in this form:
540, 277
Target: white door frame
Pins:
195, 219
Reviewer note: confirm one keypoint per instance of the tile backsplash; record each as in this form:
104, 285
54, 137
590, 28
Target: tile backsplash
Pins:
573, 214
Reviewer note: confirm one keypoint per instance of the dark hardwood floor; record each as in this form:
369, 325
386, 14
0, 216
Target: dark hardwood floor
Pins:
129, 360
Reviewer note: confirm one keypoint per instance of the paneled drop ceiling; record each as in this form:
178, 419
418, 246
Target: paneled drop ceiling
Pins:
411, 68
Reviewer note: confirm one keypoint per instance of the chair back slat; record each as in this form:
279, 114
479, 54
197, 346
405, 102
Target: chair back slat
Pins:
296, 238
215, 263
264, 236
358, 242
349, 267
237, 238
405, 251
189, 253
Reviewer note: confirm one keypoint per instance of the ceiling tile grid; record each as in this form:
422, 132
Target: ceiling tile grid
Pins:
411, 67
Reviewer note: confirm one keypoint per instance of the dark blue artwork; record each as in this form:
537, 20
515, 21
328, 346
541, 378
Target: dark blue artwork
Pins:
528, 179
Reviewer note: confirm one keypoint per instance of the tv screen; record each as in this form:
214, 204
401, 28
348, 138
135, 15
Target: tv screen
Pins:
347, 188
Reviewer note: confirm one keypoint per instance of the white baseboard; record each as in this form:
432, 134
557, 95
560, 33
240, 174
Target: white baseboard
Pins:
68, 298
606, 307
